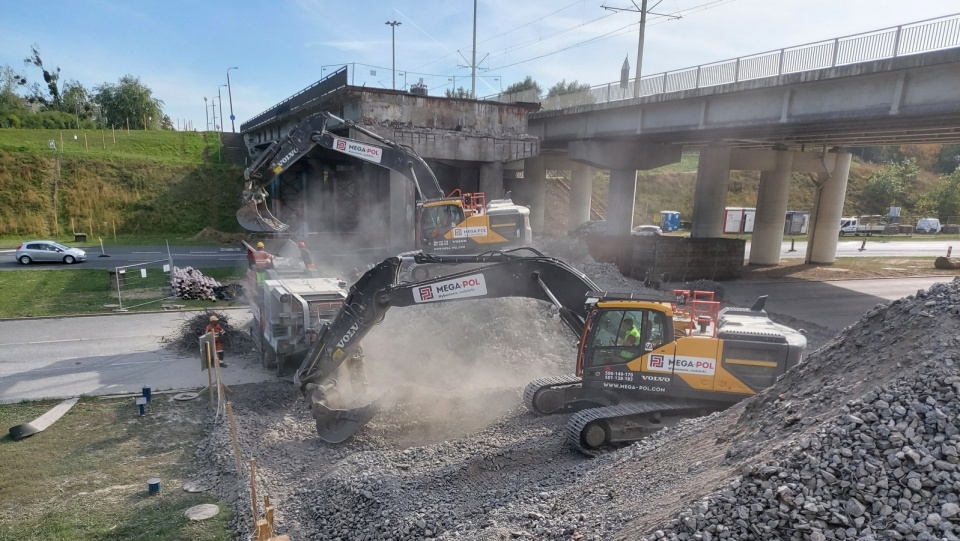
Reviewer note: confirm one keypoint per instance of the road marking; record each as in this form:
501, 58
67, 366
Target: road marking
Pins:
146, 252
69, 340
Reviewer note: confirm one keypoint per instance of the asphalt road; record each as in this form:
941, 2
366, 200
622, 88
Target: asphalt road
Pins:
63, 357
834, 304
121, 353
183, 256
875, 247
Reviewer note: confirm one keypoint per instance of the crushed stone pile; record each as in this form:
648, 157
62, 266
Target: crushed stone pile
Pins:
858, 442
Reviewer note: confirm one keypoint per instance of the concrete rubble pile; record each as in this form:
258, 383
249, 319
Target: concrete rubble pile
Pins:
859, 442
885, 465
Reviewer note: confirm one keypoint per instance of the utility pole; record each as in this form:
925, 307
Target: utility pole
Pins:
473, 64
393, 36
642, 8
206, 112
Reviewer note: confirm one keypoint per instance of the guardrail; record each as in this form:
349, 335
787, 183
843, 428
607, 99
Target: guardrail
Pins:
906, 39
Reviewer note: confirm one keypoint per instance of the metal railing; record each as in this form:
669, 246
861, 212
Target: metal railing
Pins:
312, 93
906, 39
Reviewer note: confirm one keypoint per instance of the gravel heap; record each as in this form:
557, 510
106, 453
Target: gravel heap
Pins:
860, 441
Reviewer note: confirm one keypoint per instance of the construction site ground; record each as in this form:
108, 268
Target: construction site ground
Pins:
859, 442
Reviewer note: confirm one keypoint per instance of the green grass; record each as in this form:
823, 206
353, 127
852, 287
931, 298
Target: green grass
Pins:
163, 146
85, 477
86, 291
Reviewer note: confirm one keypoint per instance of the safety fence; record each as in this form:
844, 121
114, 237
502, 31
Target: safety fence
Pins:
906, 39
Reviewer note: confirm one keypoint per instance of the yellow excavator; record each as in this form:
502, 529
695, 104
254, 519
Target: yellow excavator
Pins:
644, 361
445, 223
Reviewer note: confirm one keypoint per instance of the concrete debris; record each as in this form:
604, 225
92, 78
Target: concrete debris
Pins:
861, 441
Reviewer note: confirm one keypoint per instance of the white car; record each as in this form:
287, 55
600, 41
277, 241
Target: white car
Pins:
929, 225
48, 250
646, 230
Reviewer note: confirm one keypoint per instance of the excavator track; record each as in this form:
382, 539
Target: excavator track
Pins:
553, 382
600, 419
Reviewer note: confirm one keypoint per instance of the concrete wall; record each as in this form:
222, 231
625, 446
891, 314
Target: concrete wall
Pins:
683, 259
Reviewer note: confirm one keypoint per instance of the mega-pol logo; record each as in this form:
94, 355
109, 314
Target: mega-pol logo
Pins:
467, 286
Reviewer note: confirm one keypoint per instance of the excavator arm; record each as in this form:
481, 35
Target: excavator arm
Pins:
503, 274
254, 214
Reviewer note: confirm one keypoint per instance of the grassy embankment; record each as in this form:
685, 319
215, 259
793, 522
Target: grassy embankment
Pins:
123, 184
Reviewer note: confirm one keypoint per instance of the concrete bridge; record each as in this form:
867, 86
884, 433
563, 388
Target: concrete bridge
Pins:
779, 112
770, 112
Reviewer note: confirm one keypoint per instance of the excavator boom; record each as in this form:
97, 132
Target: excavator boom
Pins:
502, 274
254, 215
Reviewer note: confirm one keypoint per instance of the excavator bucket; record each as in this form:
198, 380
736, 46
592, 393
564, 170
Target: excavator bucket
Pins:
255, 216
335, 426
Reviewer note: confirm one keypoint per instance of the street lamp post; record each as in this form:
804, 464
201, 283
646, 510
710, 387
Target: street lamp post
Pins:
393, 47
206, 113
233, 128
221, 105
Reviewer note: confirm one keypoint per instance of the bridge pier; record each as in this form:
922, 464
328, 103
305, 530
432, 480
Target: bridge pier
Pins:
491, 179
828, 209
621, 201
403, 197
710, 194
534, 191
581, 193
772, 198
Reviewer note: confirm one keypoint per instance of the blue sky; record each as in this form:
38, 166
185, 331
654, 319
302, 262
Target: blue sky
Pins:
182, 49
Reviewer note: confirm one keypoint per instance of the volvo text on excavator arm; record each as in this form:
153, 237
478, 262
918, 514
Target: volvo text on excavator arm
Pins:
254, 215
502, 274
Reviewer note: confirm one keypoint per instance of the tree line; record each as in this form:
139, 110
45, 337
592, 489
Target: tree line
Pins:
53, 102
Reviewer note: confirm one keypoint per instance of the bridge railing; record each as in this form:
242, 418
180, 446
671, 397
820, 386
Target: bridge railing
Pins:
906, 39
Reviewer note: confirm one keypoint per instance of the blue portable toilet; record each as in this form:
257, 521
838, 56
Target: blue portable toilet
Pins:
669, 220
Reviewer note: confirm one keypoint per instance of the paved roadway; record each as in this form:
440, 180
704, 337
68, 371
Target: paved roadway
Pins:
109, 354
834, 304
183, 256
875, 247
119, 353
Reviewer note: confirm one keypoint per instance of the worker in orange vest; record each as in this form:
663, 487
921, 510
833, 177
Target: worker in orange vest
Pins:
262, 260
217, 330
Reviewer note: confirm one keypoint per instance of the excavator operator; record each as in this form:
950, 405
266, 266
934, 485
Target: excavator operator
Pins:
629, 336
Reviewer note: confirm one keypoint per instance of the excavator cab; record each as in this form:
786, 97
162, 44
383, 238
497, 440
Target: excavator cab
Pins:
437, 218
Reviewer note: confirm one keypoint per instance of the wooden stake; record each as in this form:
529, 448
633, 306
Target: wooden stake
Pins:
206, 353
103, 139
253, 488
73, 228
85, 147
113, 129
90, 222
233, 436
114, 222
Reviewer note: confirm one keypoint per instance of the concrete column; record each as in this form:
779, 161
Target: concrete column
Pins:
535, 191
581, 192
621, 201
491, 179
403, 197
710, 196
827, 211
772, 198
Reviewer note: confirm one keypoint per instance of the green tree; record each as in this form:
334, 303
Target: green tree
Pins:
51, 98
563, 87
128, 101
458, 93
890, 186
948, 159
947, 196
10, 101
77, 101
527, 84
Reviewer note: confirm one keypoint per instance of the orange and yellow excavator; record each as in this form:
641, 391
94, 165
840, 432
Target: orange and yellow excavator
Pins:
644, 361
452, 223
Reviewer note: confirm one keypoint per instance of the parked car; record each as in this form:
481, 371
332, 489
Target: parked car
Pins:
592, 227
47, 250
646, 230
